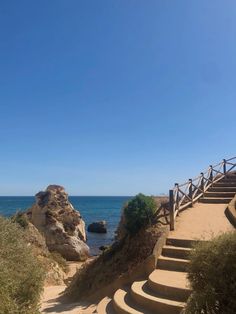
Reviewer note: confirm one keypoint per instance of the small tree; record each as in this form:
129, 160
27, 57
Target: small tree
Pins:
139, 212
212, 274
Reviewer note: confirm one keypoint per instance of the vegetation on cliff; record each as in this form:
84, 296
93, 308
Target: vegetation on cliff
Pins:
139, 212
121, 258
212, 274
54, 265
21, 275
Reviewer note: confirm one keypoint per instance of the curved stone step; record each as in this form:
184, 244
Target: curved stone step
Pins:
105, 306
123, 304
171, 284
170, 263
176, 251
222, 189
219, 194
187, 243
160, 305
224, 184
229, 179
215, 200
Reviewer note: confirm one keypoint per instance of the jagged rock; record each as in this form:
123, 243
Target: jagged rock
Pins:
61, 225
98, 227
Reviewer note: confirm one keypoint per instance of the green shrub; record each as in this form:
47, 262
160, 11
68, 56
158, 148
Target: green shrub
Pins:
21, 219
212, 273
139, 212
21, 275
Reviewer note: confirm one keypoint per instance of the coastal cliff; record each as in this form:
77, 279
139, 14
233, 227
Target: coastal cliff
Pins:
61, 225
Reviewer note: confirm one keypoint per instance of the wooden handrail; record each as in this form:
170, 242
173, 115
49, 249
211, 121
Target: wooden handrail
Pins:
186, 194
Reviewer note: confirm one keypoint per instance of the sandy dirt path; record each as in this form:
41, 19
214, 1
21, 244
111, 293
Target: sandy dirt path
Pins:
51, 304
202, 222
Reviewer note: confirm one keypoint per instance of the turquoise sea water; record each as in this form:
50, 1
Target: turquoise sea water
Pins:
92, 208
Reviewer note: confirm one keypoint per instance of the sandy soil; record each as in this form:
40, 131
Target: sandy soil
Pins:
202, 222
51, 304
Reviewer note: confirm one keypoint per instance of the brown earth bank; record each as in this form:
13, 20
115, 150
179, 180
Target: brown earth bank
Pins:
120, 259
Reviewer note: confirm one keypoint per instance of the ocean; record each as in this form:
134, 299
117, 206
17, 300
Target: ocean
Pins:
91, 208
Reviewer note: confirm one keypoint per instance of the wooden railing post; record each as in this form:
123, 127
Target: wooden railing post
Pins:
224, 166
190, 191
171, 209
211, 173
177, 197
202, 183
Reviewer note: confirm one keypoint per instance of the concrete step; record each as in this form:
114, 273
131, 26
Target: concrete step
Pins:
224, 184
184, 243
170, 263
228, 179
176, 251
222, 189
219, 194
157, 304
105, 306
170, 284
231, 180
215, 200
124, 304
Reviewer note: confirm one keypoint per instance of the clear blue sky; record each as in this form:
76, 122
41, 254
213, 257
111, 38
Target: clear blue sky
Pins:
114, 97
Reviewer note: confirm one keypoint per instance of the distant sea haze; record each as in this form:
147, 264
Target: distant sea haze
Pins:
92, 208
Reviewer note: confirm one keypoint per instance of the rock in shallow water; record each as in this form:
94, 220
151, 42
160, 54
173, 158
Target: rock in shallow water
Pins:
98, 227
61, 225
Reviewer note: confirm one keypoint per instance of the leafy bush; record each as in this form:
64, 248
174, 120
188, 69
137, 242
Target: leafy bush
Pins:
21, 276
21, 219
212, 274
139, 212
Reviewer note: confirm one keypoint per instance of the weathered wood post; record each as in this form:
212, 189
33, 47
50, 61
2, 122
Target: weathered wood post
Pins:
171, 209
190, 191
177, 196
224, 166
202, 183
211, 173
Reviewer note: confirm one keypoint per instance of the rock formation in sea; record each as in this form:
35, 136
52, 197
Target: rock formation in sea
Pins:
98, 227
61, 225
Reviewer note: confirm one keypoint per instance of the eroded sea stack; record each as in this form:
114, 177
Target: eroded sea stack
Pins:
61, 225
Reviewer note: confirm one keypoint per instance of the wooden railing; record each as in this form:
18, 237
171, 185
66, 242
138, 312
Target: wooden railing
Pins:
186, 194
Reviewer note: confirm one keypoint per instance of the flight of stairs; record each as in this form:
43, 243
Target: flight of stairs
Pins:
222, 191
167, 289
164, 292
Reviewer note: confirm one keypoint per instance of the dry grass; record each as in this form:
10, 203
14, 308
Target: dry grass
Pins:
21, 275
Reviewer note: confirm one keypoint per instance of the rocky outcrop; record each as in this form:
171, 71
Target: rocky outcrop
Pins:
61, 225
98, 227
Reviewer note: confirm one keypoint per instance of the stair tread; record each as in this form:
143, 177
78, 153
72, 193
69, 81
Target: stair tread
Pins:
221, 187
229, 183
181, 242
176, 279
177, 248
223, 192
120, 299
174, 259
105, 306
217, 198
138, 288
